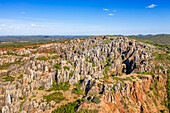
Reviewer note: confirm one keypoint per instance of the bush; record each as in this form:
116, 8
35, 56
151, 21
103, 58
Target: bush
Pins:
168, 90
20, 98
6, 65
55, 57
42, 58
71, 74
20, 76
151, 88
96, 100
57, 66
56, 96
8, 78
41, 88
69, 108
66, 67
77, 90
62, 86
107, 60
106, 69
93, 65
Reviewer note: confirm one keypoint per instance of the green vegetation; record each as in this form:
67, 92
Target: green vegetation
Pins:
86, 59
163, 56
20, 76
56, 96
107, 60
8, 78
41, 88
6, 65
77, 90
90, 60
168, 89
62, 86
55, 57
106, 69
96, 100
69, 108
57, 66
21, 105
66, 67
93, 65
71, 74
88, 111
160, 40
32, 40
20, 98
42, 58
51, 52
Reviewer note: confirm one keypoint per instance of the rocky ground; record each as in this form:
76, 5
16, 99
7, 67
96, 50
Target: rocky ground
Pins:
102, 74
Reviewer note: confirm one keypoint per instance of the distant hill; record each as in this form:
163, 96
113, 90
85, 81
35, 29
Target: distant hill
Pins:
154, 39
36, 38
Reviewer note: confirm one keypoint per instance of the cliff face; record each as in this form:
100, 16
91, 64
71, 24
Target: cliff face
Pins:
122, 95
112, 74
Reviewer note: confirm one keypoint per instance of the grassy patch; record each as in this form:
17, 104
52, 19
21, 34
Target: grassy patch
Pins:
62, 86
20, 76
69, 108
66, 67
55, 57
41, 88
96, 100
56, 96
6, 65
57, 66
42, 58
77, 90
8, 78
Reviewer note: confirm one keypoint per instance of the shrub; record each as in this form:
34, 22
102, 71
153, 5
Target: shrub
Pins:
6, 65
107, 60
151, 88
62, 86
21, 105
93, 65
168, 90
20, 76
145, 73
77, 90
106, 69
42, 58
96, 100
138, 72
69, 108
71, 74
56, 96
41, 88
57, 66
20, 98
90, 60
55, 57
8, 78
66, 67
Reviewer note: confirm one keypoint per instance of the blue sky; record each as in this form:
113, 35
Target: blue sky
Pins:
84, 17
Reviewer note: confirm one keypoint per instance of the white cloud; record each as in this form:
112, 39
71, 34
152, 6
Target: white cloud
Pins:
105, 9
35, 25
114, 10
151, 6
22, 12
111, 14
2, 25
